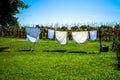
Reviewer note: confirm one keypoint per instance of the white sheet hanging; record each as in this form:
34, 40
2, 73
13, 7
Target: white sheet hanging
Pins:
51, 34
61, 37
32, 34
80, 37
93, 35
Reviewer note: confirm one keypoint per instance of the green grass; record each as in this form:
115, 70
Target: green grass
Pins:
52, 61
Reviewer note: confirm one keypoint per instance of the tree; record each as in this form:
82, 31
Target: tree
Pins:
37, 26
74, 28
64, 28
8, 10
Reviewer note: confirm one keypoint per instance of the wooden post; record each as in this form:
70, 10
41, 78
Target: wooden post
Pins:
100, 39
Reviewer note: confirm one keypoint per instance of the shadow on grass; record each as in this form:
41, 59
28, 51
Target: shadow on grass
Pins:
3, 49
79, 52
82, 52
115, 65
54, 50
27, 50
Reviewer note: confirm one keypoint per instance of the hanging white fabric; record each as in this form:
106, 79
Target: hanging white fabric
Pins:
80, 37
61, 36
32, 34
93, 35
51, 34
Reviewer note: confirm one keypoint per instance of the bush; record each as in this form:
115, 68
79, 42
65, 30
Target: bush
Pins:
116, 47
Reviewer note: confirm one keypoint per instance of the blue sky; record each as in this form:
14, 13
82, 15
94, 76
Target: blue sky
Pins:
69, 12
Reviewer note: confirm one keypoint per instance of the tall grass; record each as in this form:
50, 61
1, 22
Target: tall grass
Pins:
52, 61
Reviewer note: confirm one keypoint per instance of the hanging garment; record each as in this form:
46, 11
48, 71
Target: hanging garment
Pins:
93, 35
61, 37
51, 34
80, 37
32, 34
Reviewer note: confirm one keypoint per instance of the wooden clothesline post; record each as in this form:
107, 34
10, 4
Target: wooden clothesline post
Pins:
100, 39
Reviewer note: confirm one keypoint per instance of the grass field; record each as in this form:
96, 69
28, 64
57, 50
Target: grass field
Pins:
52, 61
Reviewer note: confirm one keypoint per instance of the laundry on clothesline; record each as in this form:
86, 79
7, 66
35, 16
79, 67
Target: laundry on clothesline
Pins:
61, 37
80, 37
93, 35
50, 34
32, 34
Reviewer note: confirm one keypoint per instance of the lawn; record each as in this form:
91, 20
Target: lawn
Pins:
52, 61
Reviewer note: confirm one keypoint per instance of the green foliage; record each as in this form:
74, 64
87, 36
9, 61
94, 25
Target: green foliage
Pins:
63, 28
117, 26
116, 38
8, 10
37, 26
74, 28
54, 65
116, 44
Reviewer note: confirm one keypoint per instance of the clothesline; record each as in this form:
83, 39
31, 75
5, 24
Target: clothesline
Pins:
32, 35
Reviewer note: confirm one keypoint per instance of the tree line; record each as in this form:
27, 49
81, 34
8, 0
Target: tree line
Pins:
107, 32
